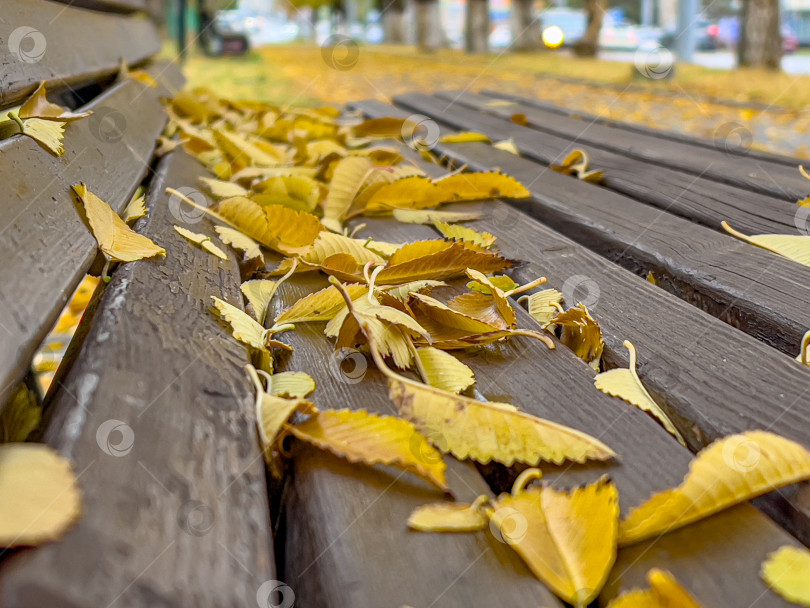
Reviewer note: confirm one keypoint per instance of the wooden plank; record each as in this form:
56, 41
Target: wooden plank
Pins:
64, 45
344, 537
692, 140
710, 558
774, 179
711, 379
113, 6
755, 290
701, 200
175, 502
41, 233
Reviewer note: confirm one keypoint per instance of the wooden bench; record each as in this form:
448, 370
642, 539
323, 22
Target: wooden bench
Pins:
149, 404
178, 509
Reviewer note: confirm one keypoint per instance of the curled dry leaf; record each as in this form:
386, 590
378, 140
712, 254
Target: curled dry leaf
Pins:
627, 386
731, 470
796, 248
443, 370
787, 572
259, 292
450, 517
242, 242
664, 592
247, 330
568, 539
322, 305
582, 334
544, 304
41, 495
136, 208
576, 164
202, 240
359, 436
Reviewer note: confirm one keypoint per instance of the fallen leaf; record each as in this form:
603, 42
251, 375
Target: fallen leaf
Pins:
443, 370
462, 233
582, 334
664, 592
463, 137
321, 305
787, 572
543, 305
462, 187
450, 517
223, 189
568, 539
202, 240
793, 247
718, 478
259, 292
246, 329
627, 386
291, 385
136, 208
42, 495
38, 106
430, 216
242, 242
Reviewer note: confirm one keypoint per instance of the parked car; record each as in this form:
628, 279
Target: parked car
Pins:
729, 35
618, 35
573, 23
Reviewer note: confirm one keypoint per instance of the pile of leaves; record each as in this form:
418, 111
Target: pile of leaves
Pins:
286, 182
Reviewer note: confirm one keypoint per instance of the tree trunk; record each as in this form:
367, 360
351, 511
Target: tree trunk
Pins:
525, 28
428, 28
588, 45
760, 43
476, 27
393, 21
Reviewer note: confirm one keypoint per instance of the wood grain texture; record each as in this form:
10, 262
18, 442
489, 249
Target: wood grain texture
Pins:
714, 144
344, 535
45, 247
755, 290
711, 379
112, 6
63, 45
709, 558
155, 416
696, 198
771, 178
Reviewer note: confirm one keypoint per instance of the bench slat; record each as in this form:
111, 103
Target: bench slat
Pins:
63, 45
701, 200
182, 519
345, 540
755, 290
644, 129
113, 6
44, 244
712, 379
771, 178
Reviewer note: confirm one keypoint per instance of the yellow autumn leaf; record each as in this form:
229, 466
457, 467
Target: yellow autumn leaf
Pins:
729, 471
430, 216
20, 415
462, 233
502, 282
664, 592
543, 305
321, 305
293, 191
359, 436
443, 370
42, 497
787, 572
242, 151
463, 137
222, 189
486, 431
242, 242
581, 333
49, 134
450, 517
477, 186
277, 227
246, 329
202, 240
328, 244
38, 106
291, 385
447, 318
568, 539
626, 385
793, 247
507, 145
136, 208
438, 260
348, 178
259, 292
497, 297
117, 241
386, 126
402, 292
576, 164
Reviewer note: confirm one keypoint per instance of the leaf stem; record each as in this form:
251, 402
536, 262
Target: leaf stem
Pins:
524, 479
